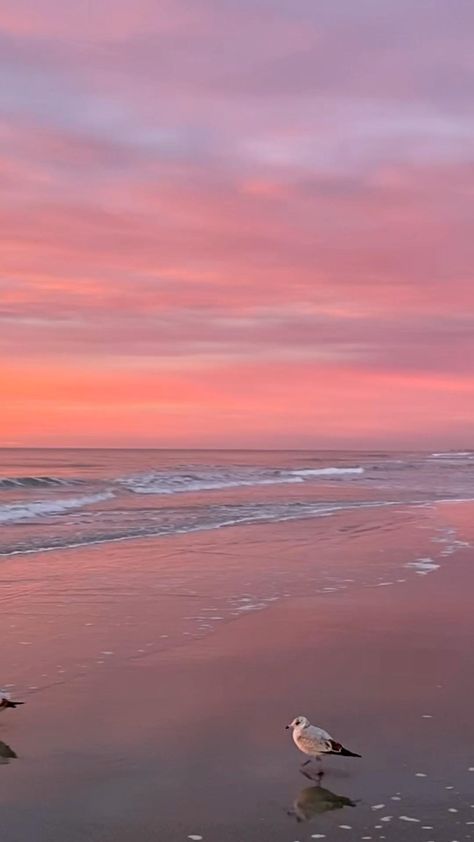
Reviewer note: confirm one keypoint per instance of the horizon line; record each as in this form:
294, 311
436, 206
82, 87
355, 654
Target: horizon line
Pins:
240, 449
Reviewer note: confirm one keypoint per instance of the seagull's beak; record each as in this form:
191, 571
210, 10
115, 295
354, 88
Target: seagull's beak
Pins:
287, 727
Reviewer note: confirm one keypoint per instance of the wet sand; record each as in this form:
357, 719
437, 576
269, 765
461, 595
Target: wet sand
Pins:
189, 739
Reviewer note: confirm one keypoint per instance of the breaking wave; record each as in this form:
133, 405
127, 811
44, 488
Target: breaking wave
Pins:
25, 511
164, 482
157, 523
327, 472
453, 454
36, 482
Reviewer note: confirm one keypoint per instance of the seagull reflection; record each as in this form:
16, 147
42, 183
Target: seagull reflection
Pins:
6, 754
315, 800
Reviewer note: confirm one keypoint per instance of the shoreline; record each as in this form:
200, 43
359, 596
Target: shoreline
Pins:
103, 598
190, 740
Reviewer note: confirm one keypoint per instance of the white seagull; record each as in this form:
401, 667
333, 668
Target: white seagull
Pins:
7, 702
315, 741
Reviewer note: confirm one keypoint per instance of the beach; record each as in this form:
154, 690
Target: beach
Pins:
159, 675
236, 432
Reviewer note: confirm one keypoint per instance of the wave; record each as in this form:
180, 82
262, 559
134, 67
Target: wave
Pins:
327, 472
19, 512
452, 454
172, 487
36, 482
154, 523
162, 482
222, 517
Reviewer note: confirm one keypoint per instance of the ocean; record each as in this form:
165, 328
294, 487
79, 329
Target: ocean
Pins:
58, 499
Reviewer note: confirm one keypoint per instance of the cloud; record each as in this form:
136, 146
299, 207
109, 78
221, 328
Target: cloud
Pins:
273, 195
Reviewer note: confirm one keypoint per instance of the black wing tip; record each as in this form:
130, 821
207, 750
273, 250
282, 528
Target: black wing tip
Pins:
337, 748
347, 753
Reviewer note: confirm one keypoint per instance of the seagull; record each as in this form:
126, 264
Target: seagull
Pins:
315, 741
6, 702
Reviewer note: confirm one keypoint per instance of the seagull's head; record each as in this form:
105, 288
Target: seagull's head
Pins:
299, 722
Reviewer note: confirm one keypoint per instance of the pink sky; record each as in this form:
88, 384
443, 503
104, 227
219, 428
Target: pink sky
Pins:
237, 223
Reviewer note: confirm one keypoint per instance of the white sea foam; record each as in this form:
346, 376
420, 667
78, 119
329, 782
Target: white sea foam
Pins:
327, 472
453, 454
170, 486
19, 512
423, 566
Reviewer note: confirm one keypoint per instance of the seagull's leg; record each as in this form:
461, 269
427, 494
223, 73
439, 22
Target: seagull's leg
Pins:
306, 762
320, 772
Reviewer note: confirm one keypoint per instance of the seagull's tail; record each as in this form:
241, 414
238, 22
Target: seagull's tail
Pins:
346, 753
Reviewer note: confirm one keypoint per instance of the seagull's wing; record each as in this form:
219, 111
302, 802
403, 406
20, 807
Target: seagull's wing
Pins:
314, 740
319, 732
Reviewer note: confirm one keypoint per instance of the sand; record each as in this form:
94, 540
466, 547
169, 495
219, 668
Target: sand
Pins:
187, 739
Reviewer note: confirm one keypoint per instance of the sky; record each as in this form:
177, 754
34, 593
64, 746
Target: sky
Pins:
237, 223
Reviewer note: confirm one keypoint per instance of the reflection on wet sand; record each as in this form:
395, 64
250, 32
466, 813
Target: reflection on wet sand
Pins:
315, 800
6, 754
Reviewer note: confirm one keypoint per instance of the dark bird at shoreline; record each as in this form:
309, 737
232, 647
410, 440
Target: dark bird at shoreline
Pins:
6, 702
